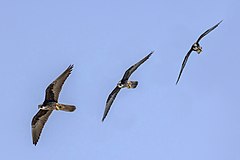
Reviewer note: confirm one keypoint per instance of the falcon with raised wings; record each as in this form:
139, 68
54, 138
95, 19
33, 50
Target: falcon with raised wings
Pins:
50, 103
195, 47
123, 83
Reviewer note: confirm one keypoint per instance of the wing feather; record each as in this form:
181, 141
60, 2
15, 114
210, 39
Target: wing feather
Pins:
128, 73
184, 63
208, 31
110, 100
38, 123
53, 90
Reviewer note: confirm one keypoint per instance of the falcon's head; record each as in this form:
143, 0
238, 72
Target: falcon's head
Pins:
41, 106
120, 84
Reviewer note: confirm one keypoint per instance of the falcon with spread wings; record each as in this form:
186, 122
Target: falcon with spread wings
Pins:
50, 103
123, 83
195, 47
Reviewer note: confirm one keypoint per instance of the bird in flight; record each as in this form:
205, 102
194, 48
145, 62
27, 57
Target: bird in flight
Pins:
50, 103
123, 83
195, 47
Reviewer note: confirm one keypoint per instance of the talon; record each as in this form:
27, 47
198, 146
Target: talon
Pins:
129, 85
199, 51
57, 107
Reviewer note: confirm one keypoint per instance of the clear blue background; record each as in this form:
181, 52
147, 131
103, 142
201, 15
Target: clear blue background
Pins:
196, 120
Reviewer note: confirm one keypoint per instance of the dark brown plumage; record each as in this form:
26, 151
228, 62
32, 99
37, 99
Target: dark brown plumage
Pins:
50, 103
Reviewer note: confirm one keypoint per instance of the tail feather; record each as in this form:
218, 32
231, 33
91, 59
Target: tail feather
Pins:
132, 84
65, 107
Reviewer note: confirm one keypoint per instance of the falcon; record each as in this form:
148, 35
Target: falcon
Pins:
123, 83
195, 47
50, 103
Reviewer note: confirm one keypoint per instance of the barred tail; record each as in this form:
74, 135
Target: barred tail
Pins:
68, 108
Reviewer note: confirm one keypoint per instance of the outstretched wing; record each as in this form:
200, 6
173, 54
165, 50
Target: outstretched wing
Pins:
53, 90
38, 123
128, 73
110, 100
184, 63
207, 31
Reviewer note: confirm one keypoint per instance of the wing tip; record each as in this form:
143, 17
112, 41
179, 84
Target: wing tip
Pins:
35, 143
151, 53
176, 82
219, 22
70, 67
103, 118
179, 76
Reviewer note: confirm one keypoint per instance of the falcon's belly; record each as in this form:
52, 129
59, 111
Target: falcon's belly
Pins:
50, 106
57, 107
127, 84
46, 108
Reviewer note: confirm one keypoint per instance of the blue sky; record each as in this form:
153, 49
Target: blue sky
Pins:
197, 119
